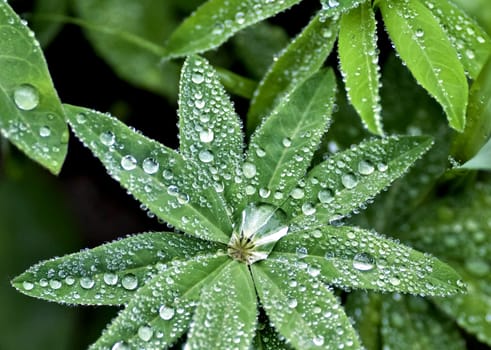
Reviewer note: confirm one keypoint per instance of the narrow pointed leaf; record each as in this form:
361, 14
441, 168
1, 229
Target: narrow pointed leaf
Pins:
226, 314
425, 48
31, 115
302, 308
358, 55
468, 38
236, 84
410, 322
298, 61
336, 7
478, 126
217, 20
162, 310
109, 274
209, 129
170, 186
348, 180
350, 257
281, 149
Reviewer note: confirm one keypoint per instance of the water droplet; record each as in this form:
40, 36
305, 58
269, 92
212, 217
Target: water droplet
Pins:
128, 162
292, 303
301, 252
363, 262
87, 283
419, 33
173, 190
110, 279
205, 156
333, 3
286, 142
394, 281
81, 118
166, 313
349, 180
297, 193
325, 196
470, 54
382, 167
107, 138
70, 281
150, 166
145, 333
264, 192
365, 167
183, 198
318, 340
240, 18
249, 170
197, 78
308, 209
43, 282
55, 284
199, 104
129, 282
27, 285
44, 131
26, 97
206, 136
120, 346
260, 152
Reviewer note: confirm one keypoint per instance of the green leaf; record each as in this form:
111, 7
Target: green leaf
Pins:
410, 322
217, 20
257, 46
31, 115
337, 7
226, 314
364, 309
129, 37
109, 274
301, 307
478, 127
350, 257
281, 149
482, 160
209, 129
348, 180
162, 310
46, 30
358, 55
425, 48
236, 84
471, 41
298, 61
169, 185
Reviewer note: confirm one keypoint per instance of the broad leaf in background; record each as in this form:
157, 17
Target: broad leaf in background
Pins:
478, 127
457, 229
364, 310
471, 41
45, 29
217, 20
299, 60
277, 157
109, 23
409, 322
171, 187
358, 55
425, 48
31, 115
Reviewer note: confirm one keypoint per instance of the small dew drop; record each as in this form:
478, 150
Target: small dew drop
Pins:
318, 340
129, 282
363, 262
166, 313
150, 166
200, 104
110, 279
292, 303
55, 284
27, 285
205, 156
325, 196
365, 167
297, 193
26, 97
128, 162
81, 118
349, 180
197, 78
419, 33
308, 209
382, 167
145, 333
206, 136
286, 142
120, 346
44, 131
301, 252
107, 138
249, 170
264, 192
87, 283
394, 281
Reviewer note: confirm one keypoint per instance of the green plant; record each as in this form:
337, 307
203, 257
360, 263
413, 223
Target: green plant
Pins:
264, 242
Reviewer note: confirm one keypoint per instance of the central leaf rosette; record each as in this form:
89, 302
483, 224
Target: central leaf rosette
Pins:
260, 227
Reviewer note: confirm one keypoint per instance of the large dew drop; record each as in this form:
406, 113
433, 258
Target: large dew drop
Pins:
150, 166
363, 262
26, 97
128, 162
129, 282
44, 131
205, 156
145, 333
166, 312
107, 138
